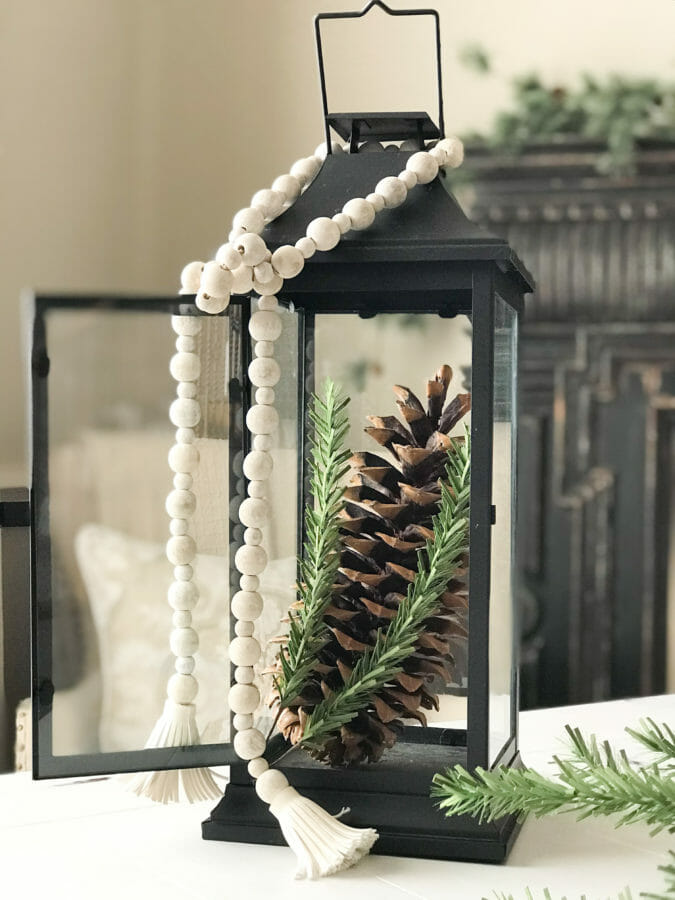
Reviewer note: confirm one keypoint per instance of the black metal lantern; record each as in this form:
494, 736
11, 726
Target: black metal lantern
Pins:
420, 288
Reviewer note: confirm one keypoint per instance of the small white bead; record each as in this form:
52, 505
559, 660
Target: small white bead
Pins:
185, 344
227, 256
252, 249
182, 618
181, 504
182, 688
183, 595
244, 651
321, 151
216, 280
264, 396
186, 325
211, 304
183, 573
184, 665
257, 465
324, 232
269, 784
184, 642
244, 628
257, 488
288, 261
306, 169
181, 550
242, 280
244, 674
183, 458
249, 582
178, 526
262, 419
254, 513
343, 222
264, 371
249, 744
263, 442
449, 152
242, 721
271, 286
268, 301
185, 436
264, 349
270, 203
408, 178
182, 481
257, 766
288, 186
264, 325
250, 219
253, 537
263, 272
306, 246
246, 605
361, 213
249, 561
377, 201
392, 190
243, 698
190, 276
187, 390
423, 165
185, 366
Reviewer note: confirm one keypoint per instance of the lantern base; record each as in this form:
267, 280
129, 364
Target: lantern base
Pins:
407, 820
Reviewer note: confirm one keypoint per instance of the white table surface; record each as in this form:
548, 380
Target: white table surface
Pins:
93, 839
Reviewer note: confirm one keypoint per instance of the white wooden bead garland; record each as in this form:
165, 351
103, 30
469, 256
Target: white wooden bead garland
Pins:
322, 843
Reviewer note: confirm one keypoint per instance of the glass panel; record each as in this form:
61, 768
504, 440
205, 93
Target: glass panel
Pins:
501, 656
368, 358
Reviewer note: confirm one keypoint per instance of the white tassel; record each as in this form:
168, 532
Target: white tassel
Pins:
322, 844
176, 727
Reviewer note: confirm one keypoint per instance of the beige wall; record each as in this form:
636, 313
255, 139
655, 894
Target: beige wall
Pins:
130, 130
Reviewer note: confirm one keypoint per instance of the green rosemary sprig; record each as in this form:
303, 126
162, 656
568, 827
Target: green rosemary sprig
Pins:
438, 562
321, 557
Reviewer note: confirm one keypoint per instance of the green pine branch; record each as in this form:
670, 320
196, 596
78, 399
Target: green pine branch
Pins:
321, 558
438, 562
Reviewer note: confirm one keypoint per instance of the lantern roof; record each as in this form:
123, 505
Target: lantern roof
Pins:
429, 226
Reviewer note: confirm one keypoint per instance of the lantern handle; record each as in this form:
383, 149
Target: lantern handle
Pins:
358, 15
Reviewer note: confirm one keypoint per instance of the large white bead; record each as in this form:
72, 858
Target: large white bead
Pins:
306, 169
264, 325
181, 550
185, 366
270, 203
392, 190
306, 246
244, 651
216, 280
185, 413
226, 255
377, 201
182, 688
321, 151
324, 232
242, 721
262, 419
249, 744
243, 698
288, 186
242, 279
360, 212
271, 286
287, 261
183, 594
254, 512
246, 605
264, 371
408, 178
269, 784
251, 248
423, 165
181, 504
343, 222
249, 561
449, 152
184, 642
186, 325
263, 442
190, 276
250, 219
211, 304
257, 766
257, 465
183, 458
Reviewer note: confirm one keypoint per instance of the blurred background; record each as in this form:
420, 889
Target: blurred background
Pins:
132, 130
